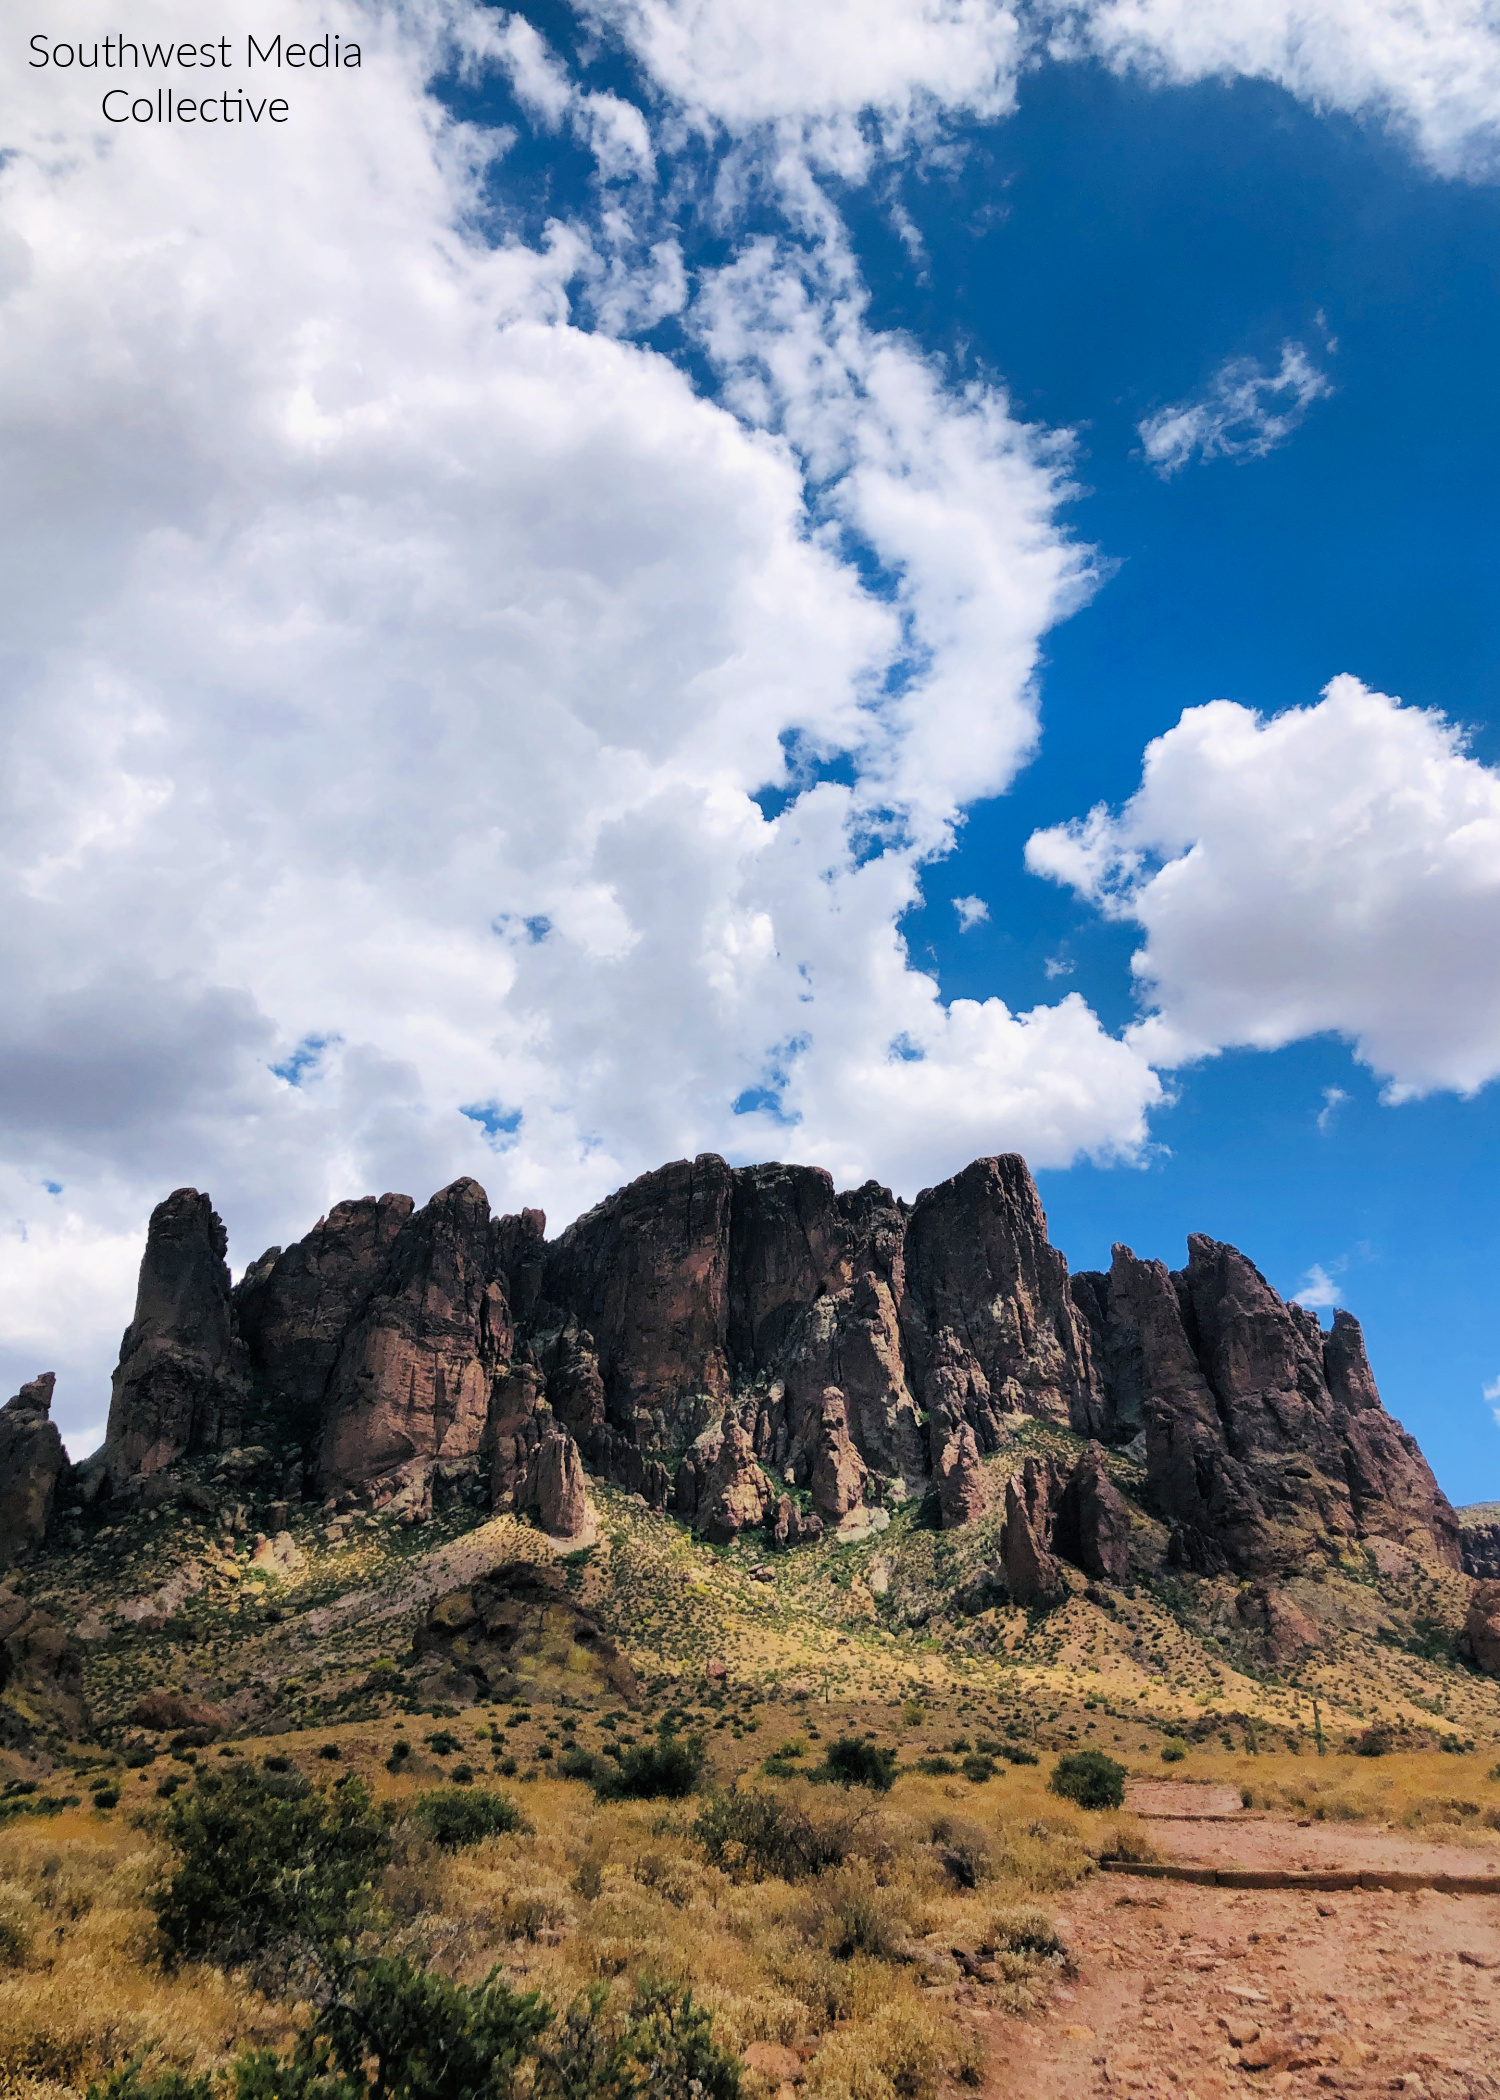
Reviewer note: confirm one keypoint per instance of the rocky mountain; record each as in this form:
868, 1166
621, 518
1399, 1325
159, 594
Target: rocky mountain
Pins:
750, 1347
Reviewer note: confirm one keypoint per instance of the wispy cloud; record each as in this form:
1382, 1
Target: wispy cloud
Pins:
1059, 965
1318, 1289
972, 912
1334, 1098
1492, 1394
1244, 413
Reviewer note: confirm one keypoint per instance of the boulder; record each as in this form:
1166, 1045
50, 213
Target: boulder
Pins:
1482, 1626
175, 1713
279, 1555
41, 1674
792, 1526
1288, 1632
518, 1631
181, 1384
32, 1460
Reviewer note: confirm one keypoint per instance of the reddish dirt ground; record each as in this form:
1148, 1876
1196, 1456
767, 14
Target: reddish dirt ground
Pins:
1195, 1993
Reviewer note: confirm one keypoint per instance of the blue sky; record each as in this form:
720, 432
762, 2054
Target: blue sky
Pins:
623, 529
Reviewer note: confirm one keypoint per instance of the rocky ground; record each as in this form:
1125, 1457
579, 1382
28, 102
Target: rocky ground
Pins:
1192, 1993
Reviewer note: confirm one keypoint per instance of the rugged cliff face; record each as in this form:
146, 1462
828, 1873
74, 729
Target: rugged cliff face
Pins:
750, 1346
32, 1460
182, 1383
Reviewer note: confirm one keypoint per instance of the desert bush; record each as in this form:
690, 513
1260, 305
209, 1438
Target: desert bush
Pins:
977, 1768
850, 1761
756, 1835
17, 1924
937, 1767
1089, 1778
901, 2053
132, 2083
1016, 1754
452, 1818
1173, 1752
1024, 1928
1378, 1740
849, 1913
665, 1770
268, 1866
963, 1850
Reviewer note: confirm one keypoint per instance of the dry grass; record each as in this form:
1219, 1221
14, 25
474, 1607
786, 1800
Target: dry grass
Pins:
853, 1964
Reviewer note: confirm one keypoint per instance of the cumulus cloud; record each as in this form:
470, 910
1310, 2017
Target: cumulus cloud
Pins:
740, 63
393, 663
1244, 413
972, 911
1430, 67
1333, 869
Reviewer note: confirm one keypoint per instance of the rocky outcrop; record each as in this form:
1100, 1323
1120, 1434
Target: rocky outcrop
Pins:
721, 1489
41, 1675
959, 1479
838, 1471
182, 1383
1091, 1526
1479, 1541
708, 1333
1032, 1576
32, 1460
1289, 1634
517, 1632
1265, 1438
1482, 1627
166, 1712
413, 1374
990, 1326
647, 1273
293, 1308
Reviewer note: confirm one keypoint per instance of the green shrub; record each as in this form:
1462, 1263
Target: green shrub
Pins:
1089, 1778
1378, 1740
755, 1834
853, 1762
576, 1764
937, 1767
128, 2084
1173, 1752
668, 1769
106, 1797
453, 1819
1014, 1754
1024, 1928
977, 1769
443, 1742
267, 1865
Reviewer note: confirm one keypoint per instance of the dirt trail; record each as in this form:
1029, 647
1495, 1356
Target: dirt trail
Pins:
1197, 1993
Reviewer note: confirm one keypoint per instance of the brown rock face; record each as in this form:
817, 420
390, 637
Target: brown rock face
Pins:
164, 1711
517, 1630
1289, 1633
554, 1489
989, 1323
721, 1488
838, 1473
647, 1274
31, 1460
413, 1374
181, 1383
1482, 1626
1032, 1576
41, 1673
960, 1479
1265, 1438
293, 1308
1092, 1524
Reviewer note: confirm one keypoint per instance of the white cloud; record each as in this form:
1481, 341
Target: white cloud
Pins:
1431, 67
1317, 1290
1336, 868
1244, 413
392, 664
742, 63
972, 911
1334, 1098
1492, 1394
